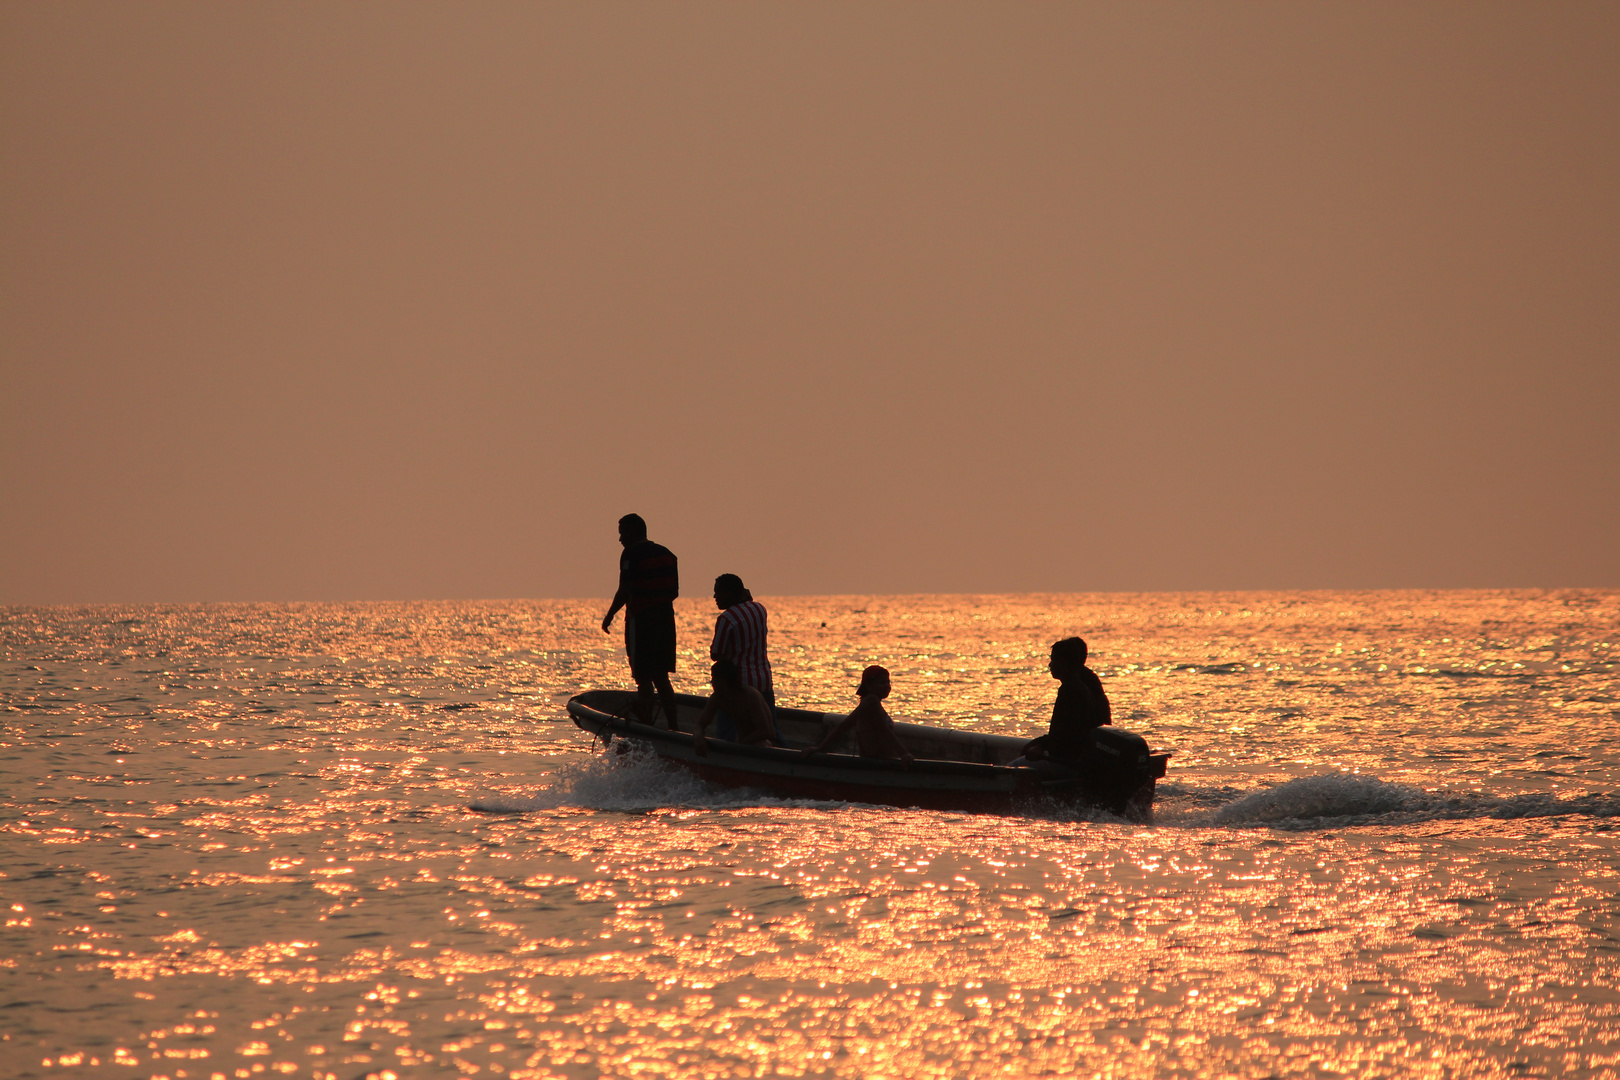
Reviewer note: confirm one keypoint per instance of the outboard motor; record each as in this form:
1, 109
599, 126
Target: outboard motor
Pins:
1119, 772
1118, 757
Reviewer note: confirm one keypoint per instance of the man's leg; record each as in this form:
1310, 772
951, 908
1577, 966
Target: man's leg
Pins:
666, 694
646, 705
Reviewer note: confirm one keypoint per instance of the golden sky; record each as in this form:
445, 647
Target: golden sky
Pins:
391, 301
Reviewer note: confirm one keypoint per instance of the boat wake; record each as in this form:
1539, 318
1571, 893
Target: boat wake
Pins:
1335, 800
639, 781
1334, 795
632, 782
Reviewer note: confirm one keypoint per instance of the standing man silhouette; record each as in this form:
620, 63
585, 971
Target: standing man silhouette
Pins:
648, 586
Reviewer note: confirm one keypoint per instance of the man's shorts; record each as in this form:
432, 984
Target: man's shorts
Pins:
649, 639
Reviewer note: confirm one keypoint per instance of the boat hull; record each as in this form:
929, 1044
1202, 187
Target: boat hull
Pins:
954, 771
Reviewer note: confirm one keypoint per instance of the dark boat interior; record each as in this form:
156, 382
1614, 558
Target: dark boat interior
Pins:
802, 727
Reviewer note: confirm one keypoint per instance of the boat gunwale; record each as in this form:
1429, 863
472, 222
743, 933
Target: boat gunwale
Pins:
719, 750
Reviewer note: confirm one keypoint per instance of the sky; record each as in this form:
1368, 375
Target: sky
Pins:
367, 301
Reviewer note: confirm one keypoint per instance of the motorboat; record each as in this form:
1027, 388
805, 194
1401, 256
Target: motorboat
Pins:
953, 770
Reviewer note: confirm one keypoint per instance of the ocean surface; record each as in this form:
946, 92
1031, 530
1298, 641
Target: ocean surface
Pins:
237, 841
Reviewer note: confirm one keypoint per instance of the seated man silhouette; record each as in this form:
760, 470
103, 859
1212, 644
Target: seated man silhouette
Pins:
874, 728
745, 705
1081, 707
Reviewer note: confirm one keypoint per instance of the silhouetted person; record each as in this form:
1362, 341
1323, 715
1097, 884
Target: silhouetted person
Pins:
648, 586
1081, 707
874, 728
740, 634
745, 705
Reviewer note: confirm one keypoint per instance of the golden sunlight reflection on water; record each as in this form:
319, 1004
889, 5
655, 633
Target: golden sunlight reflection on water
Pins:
237, 845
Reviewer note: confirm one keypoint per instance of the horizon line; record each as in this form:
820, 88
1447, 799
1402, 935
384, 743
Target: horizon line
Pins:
698, 597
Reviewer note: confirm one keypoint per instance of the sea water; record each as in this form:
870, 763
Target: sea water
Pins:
240, 841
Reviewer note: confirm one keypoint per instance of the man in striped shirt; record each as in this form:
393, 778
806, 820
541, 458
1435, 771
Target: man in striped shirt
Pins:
739, 634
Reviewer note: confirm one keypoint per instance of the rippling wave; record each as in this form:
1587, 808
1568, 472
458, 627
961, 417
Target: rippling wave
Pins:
364, 840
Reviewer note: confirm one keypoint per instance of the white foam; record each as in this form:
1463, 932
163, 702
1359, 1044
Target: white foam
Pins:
639, 781
1346, 798
1330, 795
636, 780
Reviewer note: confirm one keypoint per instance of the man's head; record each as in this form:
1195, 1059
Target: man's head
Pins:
874, 682
728, 591
632, 529
725, 673
1068, 657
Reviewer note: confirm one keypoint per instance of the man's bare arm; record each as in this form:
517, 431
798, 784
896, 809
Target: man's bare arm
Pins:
607, 620
898, 748
832, 736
